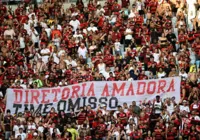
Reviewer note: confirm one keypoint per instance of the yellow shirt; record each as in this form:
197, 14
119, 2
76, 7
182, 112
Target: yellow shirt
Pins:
50, 21
74, 133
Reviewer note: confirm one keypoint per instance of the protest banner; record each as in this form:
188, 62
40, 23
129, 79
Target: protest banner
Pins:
109, 93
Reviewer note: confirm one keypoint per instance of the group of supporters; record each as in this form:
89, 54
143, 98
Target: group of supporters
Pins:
47, 45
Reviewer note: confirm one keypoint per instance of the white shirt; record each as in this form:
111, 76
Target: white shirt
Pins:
34, 36
73, 63
35, 21
191, 8
129, 36
74, 14
101, 67
46, 57
23, 86
56, 42
104, 112
48, 30
21, 42
41, 129
98, 11
30, 15
184, 75
132, 14
51, 131
43, 24
16, 129
55, 58
82, 51
78, 35
170, 108
94, 29
31, 126
157, 106
27, 27
114, 19
130, 79
135, 119
117, 46
116, 133
115, 113
61, 52
184, 108
156, 57
106, 74
75, 24
160, 75
9, 32
23, 136
59, 27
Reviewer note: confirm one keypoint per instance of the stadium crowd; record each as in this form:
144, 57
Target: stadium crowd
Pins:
46, 45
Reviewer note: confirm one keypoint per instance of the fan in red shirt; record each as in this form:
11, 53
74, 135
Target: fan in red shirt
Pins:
116, 35
182, 37
154, 45
122, 116
158, 133
101, 21
23, 18
193, 133
18, 10
111, 77
3, 8
91, 115
106, 27
101, 128
168, 24
185, 132
142, 76
53, 114
68, 72
196, 45
96, 59
19, 59
106, 9
145, 39
195, 106
139, 20
110, 3
138, 31
136, 135
116, 7
171, 133
109, 59
91, 6
125, 3
153, 6
17, 86
80, 5
2, 74
81, 116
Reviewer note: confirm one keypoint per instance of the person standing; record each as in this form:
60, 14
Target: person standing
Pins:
157, 106
7, 125
21, 134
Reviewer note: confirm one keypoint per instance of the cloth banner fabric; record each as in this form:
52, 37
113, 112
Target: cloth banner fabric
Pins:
95, 93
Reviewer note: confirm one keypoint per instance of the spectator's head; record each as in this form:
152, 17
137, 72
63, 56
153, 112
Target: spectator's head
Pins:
20, 130
157, 98
125, 105
8, 112
133, 103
